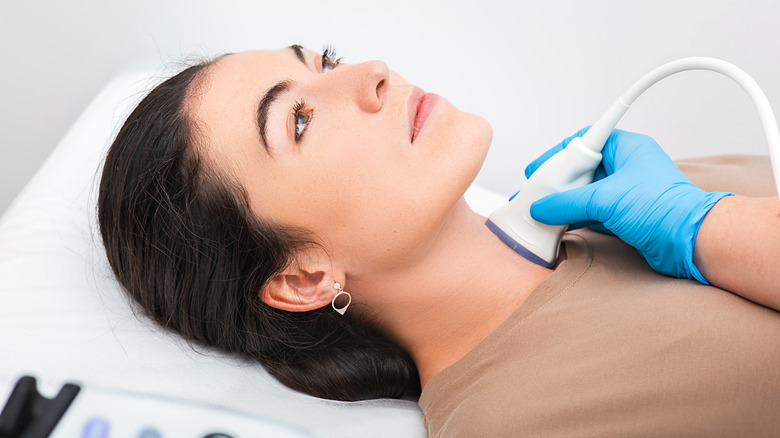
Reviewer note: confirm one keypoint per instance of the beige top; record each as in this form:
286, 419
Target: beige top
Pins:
607, 347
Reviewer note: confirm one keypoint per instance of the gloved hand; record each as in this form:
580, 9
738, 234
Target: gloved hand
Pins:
639, 195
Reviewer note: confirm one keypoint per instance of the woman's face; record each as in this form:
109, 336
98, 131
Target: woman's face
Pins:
353, 153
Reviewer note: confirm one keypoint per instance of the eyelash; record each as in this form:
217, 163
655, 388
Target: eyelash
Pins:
300, 109
329, 55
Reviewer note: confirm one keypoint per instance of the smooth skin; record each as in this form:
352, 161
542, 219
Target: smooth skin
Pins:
742, 255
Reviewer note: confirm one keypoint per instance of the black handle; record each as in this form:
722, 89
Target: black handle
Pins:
28, 414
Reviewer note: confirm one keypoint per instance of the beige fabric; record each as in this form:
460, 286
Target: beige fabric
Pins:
607, 347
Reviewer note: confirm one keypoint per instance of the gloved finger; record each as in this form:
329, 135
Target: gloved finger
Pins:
569, 207
625, 147
598, 175
531, 168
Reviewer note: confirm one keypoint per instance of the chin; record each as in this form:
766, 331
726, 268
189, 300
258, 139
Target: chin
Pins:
481, 138
476, 129
487, 129
474, 141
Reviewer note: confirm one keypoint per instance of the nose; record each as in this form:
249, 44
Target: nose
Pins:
370, 81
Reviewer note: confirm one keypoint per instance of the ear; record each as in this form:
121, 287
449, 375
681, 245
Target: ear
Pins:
300, 288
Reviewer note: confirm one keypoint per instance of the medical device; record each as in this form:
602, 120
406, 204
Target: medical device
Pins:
575, 165
90, 412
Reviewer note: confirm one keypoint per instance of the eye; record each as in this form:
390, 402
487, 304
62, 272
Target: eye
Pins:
302, 115
329, 59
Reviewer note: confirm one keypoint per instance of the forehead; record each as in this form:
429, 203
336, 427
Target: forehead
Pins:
232, 75
225, 105
239, 78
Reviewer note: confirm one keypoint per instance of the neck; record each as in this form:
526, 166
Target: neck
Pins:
466, 285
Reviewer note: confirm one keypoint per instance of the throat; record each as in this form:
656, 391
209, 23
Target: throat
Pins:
465, 289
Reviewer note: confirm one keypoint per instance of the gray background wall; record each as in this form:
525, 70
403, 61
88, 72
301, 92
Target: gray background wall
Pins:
537, 70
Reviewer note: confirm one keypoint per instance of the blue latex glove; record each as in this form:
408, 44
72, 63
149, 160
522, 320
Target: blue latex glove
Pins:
639, 195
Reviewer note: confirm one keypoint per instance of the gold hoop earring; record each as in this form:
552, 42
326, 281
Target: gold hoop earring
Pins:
341, 310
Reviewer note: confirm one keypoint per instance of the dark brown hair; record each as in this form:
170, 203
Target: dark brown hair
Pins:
182, 240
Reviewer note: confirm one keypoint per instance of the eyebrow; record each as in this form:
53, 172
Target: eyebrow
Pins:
298, 49
271, 96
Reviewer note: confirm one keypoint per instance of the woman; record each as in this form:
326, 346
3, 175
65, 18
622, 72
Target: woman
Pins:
247, 202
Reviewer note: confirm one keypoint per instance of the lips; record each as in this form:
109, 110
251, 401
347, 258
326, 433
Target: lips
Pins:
420, 107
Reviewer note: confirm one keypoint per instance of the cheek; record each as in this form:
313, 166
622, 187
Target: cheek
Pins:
330, 192
376, 203
361, 207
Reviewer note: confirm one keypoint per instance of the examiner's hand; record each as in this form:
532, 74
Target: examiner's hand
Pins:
639, 195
